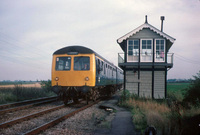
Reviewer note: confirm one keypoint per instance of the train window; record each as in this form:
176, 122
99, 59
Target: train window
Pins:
63, 63
102, 65
112, 71
82, 63
104, 69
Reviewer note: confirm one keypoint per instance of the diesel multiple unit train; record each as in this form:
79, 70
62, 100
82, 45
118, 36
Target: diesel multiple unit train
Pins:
78, 72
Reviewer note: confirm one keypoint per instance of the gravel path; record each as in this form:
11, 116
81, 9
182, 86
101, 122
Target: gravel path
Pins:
83, 123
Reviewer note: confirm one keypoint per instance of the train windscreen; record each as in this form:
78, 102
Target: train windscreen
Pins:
63, 63
82, 63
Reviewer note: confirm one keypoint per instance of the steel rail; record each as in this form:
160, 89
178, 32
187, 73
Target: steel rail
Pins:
56, 121
26, 106
12, 122
25, 102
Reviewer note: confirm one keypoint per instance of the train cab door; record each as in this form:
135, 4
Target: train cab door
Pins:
98, 71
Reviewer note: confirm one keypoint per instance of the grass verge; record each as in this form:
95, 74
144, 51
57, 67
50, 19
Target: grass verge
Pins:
19, 93
167, 116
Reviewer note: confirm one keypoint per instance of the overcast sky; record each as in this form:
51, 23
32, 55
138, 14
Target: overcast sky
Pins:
31, 30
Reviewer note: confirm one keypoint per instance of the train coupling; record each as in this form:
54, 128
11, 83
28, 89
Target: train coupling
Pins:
56, 89
85, 89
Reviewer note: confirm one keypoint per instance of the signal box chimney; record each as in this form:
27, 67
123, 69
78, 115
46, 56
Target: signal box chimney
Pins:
146, 19
162, 18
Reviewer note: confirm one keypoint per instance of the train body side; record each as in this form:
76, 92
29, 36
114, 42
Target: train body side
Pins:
107, 74
120, 77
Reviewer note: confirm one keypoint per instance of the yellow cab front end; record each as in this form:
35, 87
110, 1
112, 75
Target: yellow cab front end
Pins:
73, 70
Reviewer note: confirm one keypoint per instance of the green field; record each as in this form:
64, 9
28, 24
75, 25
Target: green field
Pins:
176, 91
177, 86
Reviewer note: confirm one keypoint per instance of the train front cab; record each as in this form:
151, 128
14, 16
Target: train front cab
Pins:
72, 74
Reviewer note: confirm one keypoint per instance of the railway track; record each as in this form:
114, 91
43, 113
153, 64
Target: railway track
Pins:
12, 122
36, 130
25, 104
4, 106
58, 120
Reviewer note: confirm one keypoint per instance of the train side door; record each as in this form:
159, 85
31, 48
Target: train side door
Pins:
98, 71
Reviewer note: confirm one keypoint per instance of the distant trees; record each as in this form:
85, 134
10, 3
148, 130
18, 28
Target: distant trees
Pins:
179, 80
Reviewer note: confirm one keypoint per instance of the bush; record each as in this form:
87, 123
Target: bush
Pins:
192, 94
125, 96
46, 85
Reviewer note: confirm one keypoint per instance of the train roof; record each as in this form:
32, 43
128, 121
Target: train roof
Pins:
76, 49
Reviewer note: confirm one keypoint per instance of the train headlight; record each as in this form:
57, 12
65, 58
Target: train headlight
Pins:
56, 78
87, 78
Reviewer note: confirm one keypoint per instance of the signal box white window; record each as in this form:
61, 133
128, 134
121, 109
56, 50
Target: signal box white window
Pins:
160, 50
146, 50
133, 50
